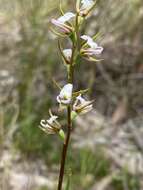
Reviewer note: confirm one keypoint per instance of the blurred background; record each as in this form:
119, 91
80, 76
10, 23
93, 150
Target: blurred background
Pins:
106, 151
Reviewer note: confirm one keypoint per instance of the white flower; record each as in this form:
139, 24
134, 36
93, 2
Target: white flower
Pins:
86, 5
89, 41
50, 126
65, 95
82, 106
94, 48
91, 51
67, 53
66, 17
61, 22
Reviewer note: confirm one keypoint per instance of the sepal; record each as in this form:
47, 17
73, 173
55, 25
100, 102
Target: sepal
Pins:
62, 134
75, 94
73, 115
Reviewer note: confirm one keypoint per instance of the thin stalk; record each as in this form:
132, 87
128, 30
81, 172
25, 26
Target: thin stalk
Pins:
75, 46
69, 126
65, 148
77, 32
1, 130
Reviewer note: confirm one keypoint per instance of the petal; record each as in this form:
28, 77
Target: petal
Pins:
67, 53
58, 99
65, 95
43, 123
85, 37
86, 4
49, 131
90, 51
89, 40
87, 109
98, 50
67, 16
66, 90
64, 28
66, 101
92, 44
82, 100
52, 119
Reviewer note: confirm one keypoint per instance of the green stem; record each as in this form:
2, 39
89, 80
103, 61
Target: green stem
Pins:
77, 32
1, 130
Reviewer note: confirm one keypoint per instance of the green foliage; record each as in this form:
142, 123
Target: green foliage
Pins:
42, 188
125, 180
84, 167
32, 142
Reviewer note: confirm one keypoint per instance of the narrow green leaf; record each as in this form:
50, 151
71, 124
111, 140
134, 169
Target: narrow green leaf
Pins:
95, 60
56, 33
68, 184
61, 52
96, 35
56, 84
60, 6
80, 92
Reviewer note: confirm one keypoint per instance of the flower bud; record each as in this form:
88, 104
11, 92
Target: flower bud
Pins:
67, 53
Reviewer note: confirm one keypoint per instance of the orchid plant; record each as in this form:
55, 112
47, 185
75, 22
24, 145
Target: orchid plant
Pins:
68, 25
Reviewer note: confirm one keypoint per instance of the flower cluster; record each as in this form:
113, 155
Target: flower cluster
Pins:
89, 48
65, 98
80, 106
68, 24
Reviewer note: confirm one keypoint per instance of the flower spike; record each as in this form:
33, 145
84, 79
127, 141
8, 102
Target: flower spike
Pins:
69, 25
